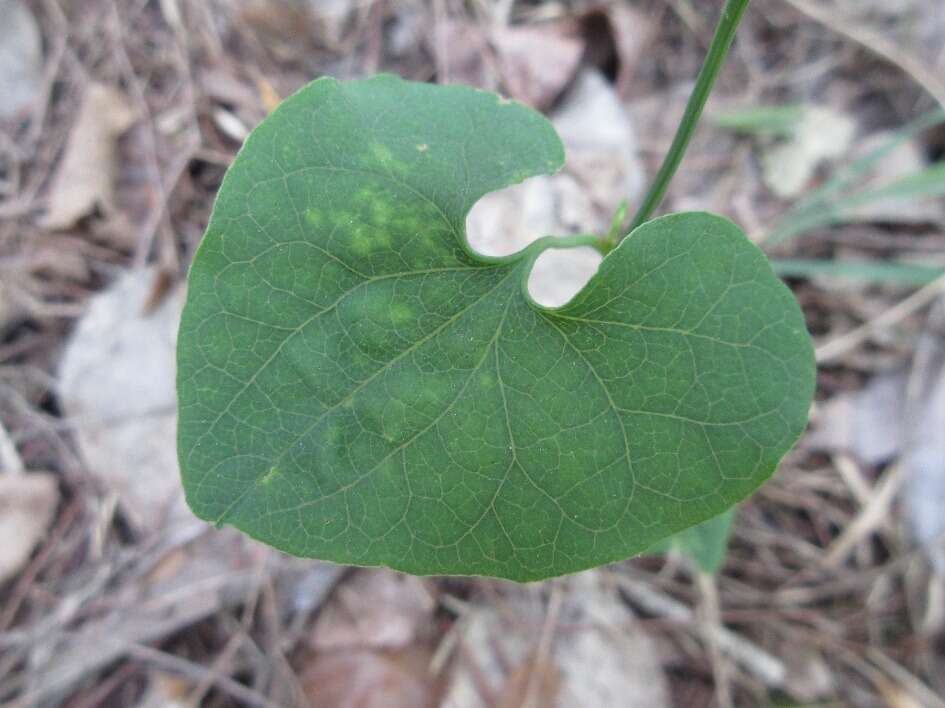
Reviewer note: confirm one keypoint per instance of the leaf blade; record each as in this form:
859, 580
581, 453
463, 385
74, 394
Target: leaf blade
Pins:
356, 385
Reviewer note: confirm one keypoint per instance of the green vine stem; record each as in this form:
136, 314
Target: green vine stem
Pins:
721, 42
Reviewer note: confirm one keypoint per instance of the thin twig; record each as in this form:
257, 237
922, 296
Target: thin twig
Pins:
711, 624
531, 696
873, 515
28, 575
769, 669
836, 348
196, 672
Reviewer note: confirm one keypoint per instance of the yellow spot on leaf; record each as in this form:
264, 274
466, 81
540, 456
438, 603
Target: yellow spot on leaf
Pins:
381, 211
341, 218
360, 244
386, 158
270, 476
314, 218
400, 313
382, 153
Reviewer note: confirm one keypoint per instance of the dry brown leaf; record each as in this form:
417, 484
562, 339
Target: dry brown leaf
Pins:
222, 86
85, 177
901, 414
823, 134
62, 257
34, 280
633, 32
285, 22
220, 570
537, 61
281, 20
613, 662
27, 504
116, 385
601, 143
377, 609
616, 31
461, 51
361, 678
866, 423
605, 660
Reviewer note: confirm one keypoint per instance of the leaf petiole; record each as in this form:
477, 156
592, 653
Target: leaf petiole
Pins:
572, 241
603, 244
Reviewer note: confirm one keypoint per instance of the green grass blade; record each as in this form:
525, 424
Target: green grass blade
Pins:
821, 208
881, 272
777, 121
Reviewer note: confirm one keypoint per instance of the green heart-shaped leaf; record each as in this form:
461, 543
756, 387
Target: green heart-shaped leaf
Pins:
356, 385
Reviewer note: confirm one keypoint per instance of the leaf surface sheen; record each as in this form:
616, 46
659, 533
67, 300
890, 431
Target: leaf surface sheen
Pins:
356, 385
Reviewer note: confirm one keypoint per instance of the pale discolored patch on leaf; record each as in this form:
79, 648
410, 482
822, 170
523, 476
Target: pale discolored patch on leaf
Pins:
355, 384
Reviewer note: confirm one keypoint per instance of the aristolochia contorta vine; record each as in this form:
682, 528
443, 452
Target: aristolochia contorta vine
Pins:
357, 385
